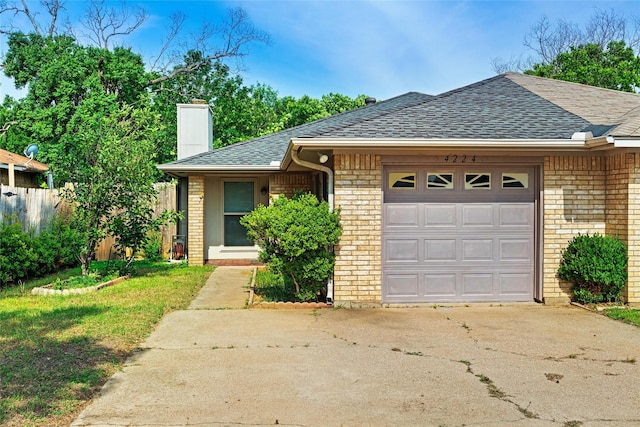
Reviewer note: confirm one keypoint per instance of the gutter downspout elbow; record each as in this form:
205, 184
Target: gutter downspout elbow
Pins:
330, 201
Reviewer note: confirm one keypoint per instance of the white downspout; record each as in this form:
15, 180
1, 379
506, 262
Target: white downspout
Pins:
329, 172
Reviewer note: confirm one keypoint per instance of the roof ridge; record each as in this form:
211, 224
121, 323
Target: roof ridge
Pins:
469, 86
594, 104
341, 125
559, 82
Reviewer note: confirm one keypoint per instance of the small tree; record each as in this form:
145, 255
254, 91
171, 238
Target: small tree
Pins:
114, 175
597, 265
296, 237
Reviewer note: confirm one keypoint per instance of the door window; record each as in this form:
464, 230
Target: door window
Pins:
238, 201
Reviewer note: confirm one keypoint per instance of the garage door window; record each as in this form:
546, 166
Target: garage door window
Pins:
402, 180
474, 181
440, 180
515, 180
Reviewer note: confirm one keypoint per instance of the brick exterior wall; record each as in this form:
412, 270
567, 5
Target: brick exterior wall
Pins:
632, 162
288, 183
581, 194
358, 195
590, 194
574, 202
623, 213
195, 220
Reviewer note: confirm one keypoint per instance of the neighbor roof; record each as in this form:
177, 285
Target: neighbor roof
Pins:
510, 106
33, 166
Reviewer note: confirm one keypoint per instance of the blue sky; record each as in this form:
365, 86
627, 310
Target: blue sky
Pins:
377, 48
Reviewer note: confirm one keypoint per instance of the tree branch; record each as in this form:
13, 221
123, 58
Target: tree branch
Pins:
103, 23
236, 33
177, 20
4, 129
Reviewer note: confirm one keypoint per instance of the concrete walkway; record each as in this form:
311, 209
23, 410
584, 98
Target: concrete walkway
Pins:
523, 365
226, 288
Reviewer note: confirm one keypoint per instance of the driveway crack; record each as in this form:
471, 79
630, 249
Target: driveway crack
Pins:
495, 392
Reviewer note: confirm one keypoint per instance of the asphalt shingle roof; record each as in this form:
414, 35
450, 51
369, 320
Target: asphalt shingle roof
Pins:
508, 106
270, 148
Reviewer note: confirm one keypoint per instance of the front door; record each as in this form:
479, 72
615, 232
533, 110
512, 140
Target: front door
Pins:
238, 201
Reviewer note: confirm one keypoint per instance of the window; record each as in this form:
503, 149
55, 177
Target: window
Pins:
473, 181
440, 180
515, 180
402, 180
238, 201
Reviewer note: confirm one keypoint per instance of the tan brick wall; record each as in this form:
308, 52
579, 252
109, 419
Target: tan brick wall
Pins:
632, 294
289, 183
195, 220
574, 202
617, 205
590, 195
358, 195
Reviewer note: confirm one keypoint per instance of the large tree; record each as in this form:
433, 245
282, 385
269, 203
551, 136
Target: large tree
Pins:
60, 74
615, 67
547, 39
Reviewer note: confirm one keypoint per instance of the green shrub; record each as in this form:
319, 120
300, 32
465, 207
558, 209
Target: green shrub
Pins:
25, 255
57, 246
296, 237
17, 256
152, 248
597, 266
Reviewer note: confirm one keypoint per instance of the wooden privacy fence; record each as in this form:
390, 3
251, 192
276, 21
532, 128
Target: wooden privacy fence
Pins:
36, 207
32, 207
166, 201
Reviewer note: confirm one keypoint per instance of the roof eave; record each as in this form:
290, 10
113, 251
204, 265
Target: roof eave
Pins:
169, 168
624, 142
515, 144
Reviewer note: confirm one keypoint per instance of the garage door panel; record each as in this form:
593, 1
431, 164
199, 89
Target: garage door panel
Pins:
477, 215
477, 284
440, 250
404, 215
402, 250
477, 250
405, 286
460, 243
441, 285
440, 216
516, 250
515, 283
516, 215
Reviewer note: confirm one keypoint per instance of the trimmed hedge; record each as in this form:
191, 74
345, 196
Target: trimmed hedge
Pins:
597, 266
296, 237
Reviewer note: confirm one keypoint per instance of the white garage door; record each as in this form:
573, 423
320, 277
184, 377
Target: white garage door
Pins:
460, 235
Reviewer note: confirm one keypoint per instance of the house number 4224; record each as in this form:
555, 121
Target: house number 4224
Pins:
459, 158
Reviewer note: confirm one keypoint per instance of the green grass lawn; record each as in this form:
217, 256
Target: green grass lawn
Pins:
56, 352
631, 316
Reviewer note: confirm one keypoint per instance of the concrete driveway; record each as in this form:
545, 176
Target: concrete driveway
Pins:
528, 365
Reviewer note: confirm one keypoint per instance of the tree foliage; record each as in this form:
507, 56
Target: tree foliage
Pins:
296, 237
113, 179
615, 67
547, 39
65, 80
